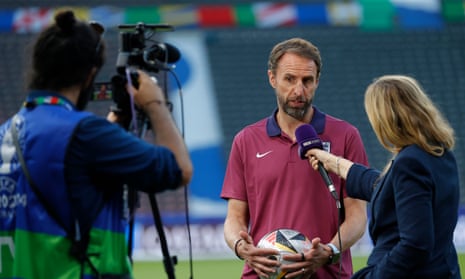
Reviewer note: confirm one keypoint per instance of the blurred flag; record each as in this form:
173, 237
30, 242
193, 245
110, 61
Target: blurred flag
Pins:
414, 14
182, 16
344, 13
275, 14
314, 13
244, 15
215, 15
134, 15
377, 14
453, 10
32, 20
108, 16
6, 20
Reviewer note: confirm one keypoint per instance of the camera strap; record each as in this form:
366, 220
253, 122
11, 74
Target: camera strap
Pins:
78, 244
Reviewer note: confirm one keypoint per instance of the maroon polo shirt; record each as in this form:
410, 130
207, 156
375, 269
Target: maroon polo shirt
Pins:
284, 191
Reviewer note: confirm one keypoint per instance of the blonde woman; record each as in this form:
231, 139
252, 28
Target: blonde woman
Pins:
414, 200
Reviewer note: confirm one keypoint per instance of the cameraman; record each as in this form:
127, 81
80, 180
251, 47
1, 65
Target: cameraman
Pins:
64, 203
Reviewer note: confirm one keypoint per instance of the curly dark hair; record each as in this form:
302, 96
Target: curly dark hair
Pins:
65, 53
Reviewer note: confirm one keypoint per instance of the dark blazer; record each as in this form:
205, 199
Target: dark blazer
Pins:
413, 212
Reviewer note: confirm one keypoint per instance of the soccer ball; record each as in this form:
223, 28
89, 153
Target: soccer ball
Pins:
286, 241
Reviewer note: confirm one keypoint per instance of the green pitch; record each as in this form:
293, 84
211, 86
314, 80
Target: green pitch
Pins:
225, 269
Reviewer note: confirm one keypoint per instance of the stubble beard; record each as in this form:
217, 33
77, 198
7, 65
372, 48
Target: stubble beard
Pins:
84, 98
85, 95
297, 113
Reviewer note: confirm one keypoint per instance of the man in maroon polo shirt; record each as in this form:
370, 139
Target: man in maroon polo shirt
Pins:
268, 186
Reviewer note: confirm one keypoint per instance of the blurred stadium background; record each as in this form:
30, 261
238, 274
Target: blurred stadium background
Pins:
224, 48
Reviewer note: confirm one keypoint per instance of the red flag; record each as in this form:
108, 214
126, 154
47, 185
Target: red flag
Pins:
216, 16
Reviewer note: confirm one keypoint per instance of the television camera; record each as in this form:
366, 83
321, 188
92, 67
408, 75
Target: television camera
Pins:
137, 50
134, 53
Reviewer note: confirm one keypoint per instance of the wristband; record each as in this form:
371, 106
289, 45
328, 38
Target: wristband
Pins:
236, 243
335, 256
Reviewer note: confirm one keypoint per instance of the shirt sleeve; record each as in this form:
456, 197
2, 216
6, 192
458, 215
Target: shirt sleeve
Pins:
107, 155
354, 151
361, 181
234, 185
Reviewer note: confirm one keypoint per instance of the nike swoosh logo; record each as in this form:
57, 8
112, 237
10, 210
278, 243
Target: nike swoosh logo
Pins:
261, 155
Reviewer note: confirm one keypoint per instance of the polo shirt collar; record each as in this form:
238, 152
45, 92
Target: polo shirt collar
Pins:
318, 122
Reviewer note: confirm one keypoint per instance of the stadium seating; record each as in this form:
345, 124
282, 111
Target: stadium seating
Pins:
351, 59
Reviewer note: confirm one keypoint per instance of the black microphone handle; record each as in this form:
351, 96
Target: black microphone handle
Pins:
324, 174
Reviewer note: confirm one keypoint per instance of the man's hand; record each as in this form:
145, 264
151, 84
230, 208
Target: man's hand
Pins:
147, 92
263, 260
307, 262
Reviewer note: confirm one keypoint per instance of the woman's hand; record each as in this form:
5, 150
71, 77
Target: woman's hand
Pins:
331, 162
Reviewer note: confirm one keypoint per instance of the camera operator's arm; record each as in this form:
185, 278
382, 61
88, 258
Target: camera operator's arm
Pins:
149, 96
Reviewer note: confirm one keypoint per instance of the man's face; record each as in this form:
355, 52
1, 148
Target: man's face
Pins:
295, 82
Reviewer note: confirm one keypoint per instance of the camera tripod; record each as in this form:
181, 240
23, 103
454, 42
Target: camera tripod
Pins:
168, 260
141, 125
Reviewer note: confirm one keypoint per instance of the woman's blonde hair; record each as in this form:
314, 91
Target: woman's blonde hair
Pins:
402, 114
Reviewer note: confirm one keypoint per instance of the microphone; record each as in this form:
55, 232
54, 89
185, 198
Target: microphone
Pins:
154, 58
163, 52
307, 138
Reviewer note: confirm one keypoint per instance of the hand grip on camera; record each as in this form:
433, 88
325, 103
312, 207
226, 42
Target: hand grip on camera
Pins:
134, 76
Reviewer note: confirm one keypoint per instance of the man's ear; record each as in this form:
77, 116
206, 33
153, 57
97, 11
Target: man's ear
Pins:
271, 79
